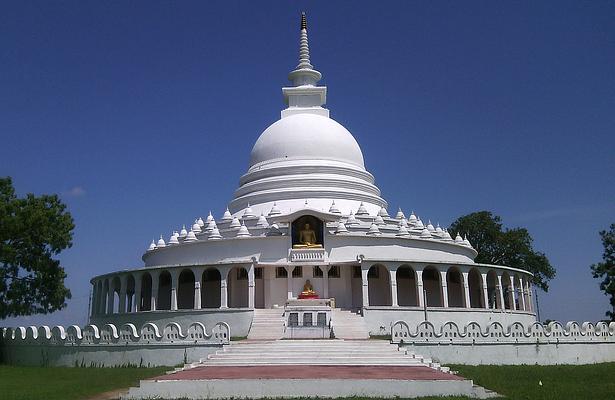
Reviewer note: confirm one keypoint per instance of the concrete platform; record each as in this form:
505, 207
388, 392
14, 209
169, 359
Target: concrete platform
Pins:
211, 382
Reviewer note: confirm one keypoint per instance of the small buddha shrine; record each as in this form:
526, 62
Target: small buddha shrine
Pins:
308, 291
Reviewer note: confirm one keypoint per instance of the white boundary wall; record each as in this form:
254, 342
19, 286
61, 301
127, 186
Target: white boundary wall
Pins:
476, 344
109, 346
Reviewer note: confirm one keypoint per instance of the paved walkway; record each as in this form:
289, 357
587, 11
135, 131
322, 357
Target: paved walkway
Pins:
310, 372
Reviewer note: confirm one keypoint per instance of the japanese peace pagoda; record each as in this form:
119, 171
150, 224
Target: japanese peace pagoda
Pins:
308, 247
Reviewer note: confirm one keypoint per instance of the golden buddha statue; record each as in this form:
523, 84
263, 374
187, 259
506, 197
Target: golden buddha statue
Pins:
308, 291
307, 239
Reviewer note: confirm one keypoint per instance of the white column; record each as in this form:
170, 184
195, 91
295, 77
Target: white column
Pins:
512, 293
198, 277
110, 294
393, 280
522, 295
137, 306
289, 282
155, 281
485, 293
123, 289
444, 286
174, 278
500, 292
325, 280
419, 288
251, 286
223, 289
530, 296
466, 289
364, 286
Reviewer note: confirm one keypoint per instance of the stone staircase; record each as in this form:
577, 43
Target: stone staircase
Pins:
267, 369
348, 325
314, 352
267, 324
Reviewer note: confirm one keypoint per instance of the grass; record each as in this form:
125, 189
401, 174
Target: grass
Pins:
514, 382
67, 383
520, 382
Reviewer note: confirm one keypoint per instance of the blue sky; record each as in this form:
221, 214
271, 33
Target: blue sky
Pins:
142, 116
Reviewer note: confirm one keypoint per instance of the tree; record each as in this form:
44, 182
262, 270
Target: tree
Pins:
509, 247
606, 269
33, 229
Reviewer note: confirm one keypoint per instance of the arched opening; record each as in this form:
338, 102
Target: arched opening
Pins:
432, 286
163, 302
130, 293
211, 288
492, 293
115, 292
185, 290
518, 293
507, 291
379, 286
406, 286
454, 284
475, 286
307, 231
237, 287
146, 292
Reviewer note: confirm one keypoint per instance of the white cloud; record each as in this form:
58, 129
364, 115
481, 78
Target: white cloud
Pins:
77, 191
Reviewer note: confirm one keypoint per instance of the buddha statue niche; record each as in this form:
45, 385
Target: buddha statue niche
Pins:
308, 291
307, 239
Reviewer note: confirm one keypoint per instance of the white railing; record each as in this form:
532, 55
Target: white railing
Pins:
307, 255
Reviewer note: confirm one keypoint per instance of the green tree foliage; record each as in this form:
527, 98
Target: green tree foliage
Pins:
606, 269
32, 230
504, 246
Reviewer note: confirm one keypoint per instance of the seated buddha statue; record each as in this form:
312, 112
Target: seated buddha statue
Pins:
307, 239
308, 291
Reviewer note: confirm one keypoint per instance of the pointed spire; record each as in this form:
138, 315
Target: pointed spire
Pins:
200, 222
378, 220
341, 228
351, 219
214, 234
458, 238
425, 234
235, 223
373, 230
183, 232
210, 217
152, 245
226, 216
274, 210
173, 238
304, 73
243, 231
161, 243
191, 237
248, 213
196, 227
262, 222
402, 231
333, 209
362, 210
400, 214
383, 212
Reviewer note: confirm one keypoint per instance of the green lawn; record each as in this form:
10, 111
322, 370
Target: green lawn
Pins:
28, 383
594, 382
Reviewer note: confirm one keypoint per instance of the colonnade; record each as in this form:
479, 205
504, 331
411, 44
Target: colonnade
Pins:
383, 284
448, 286
174, 288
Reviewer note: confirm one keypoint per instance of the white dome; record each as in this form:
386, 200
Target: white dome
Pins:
306, 136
